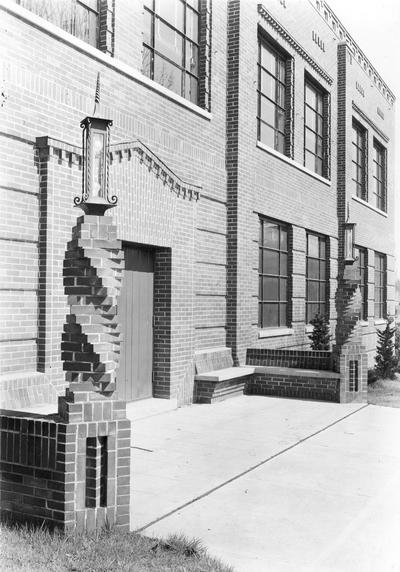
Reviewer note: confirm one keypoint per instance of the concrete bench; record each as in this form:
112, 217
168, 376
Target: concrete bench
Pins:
216, 377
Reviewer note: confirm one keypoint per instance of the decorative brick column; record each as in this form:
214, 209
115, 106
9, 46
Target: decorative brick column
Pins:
99, 447
350, 355
72, 470
92, 279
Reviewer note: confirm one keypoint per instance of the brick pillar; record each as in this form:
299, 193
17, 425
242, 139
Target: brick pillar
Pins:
99, 466
349, 353
92, 280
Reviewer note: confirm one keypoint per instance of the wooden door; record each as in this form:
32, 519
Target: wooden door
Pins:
134, 377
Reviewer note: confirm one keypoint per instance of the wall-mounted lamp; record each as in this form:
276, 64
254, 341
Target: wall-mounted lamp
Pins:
349, 254
95, 199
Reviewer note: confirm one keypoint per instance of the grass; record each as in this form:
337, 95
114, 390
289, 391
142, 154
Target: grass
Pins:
36, 550
385, 392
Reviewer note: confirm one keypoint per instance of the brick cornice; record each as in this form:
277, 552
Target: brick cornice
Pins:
370, 122
156, 166
61, 150
293, 43
331, 20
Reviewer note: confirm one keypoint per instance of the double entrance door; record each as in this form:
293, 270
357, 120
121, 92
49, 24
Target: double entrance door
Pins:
135, 311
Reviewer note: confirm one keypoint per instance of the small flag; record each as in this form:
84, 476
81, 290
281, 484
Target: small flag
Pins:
97, 94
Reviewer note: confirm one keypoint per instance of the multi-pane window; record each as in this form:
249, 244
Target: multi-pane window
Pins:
171, 45
379, 176
315, 128
380, 285
273, 274
271, 117
362, 267
78, 17
359, 163
316, 276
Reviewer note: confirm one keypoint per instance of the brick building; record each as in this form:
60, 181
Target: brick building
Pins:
244, 137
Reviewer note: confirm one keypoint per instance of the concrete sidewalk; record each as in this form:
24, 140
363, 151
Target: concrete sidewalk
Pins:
274, 484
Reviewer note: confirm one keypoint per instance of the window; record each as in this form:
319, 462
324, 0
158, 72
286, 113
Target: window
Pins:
379, 175
359, 161
78, 17
171, 45
316, 276
362, 266
380, 285
273, 113
316, 103
273, 274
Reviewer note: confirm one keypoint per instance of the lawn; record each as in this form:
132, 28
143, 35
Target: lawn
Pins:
23, 548
385, 392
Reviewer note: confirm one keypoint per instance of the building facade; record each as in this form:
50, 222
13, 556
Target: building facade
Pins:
245, 136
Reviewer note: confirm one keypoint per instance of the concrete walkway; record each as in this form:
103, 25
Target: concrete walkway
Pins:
274, 484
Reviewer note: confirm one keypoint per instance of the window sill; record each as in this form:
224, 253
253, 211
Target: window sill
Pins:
274, 332
293, 163
115, 64
364, 323
366, 204
380, 322
309, 328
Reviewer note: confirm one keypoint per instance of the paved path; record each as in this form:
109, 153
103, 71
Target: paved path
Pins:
274, 484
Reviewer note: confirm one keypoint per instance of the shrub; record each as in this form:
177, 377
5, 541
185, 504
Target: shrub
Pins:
397, 346
385, 360
372, 376
320, 337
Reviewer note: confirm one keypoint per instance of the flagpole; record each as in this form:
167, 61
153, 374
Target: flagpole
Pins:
97, 94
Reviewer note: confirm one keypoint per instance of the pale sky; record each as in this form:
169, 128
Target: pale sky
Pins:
375, 26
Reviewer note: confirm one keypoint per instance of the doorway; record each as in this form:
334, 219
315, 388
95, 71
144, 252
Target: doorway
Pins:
136, 301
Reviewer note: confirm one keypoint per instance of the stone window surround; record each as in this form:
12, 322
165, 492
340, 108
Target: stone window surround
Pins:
326, 121
360, 141
157, 21
261, 272
281, 55
383, 285
381, 152
326, 258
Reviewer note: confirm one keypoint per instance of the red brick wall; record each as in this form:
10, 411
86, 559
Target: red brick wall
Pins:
212, 242
50, 103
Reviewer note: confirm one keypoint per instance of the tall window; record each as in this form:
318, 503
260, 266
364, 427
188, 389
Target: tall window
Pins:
171, 45
316, 276
315, 129
361, 262
273, 274
78, 17
359, 164
272, 112
380, 285
379, 175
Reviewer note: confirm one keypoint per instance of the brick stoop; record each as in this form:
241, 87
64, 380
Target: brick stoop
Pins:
295, 383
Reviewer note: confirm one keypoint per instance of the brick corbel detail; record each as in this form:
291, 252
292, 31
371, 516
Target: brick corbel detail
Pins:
92, 281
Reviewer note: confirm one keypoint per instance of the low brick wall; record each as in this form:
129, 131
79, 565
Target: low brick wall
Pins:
307, 359
70, 470
294, 384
